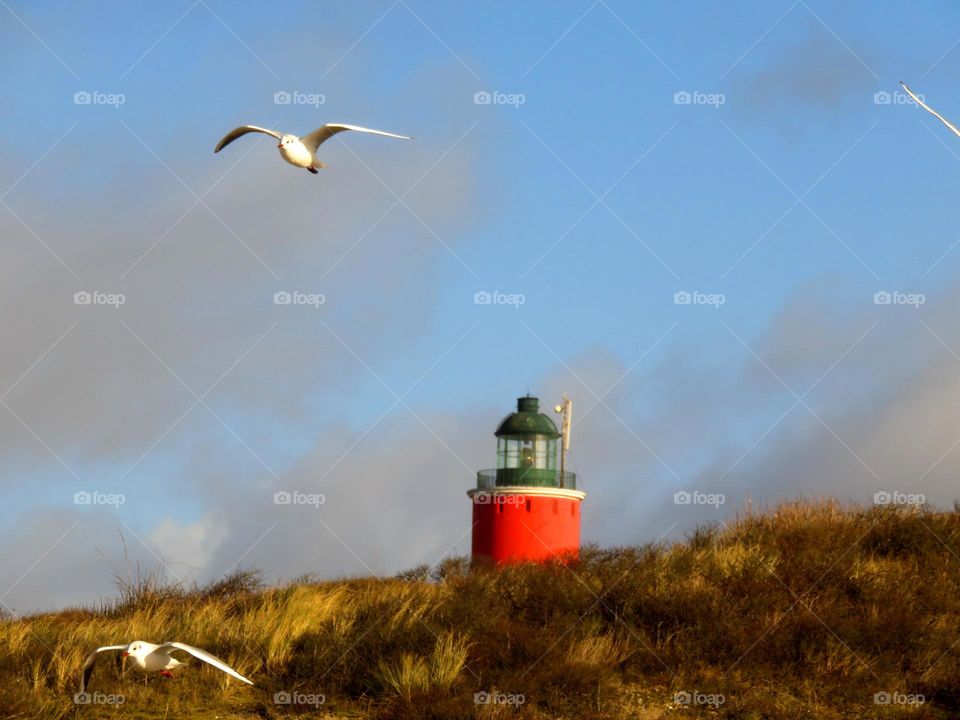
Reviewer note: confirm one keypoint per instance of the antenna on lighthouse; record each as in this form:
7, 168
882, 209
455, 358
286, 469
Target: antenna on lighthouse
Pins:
566, 410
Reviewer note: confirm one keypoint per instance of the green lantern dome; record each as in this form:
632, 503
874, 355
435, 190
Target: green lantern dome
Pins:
527, 420
527, 447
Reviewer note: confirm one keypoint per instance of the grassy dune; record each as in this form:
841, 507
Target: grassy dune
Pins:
805, 611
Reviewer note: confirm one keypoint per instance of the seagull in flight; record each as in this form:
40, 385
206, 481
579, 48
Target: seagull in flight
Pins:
148, 658
930, 110
298, 151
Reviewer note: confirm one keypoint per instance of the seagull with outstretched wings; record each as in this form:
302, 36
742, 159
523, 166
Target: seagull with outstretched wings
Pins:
298, 151
148, 658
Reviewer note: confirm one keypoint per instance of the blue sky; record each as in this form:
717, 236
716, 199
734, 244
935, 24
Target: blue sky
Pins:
796, 196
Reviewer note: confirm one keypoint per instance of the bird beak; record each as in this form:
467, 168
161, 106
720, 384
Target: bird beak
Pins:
279, 145
125, 654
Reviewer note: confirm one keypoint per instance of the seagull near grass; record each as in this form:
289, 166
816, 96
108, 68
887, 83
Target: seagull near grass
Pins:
301, 152
148, 658
930, 110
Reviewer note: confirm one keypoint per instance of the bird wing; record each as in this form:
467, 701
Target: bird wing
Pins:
91, 661
206, 657
322, 134
930, 110
241, 131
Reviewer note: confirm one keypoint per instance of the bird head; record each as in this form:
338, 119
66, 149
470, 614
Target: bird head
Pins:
135, 648
287, 140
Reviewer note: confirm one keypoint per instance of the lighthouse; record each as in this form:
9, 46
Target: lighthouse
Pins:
528, 508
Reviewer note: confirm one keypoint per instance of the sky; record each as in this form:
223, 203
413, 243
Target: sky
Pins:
721, 228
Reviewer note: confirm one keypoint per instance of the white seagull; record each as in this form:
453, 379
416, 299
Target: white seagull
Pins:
930, 110
301, 151
148, 657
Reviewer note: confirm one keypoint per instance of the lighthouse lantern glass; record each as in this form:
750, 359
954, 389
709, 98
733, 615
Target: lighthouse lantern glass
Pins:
529, 460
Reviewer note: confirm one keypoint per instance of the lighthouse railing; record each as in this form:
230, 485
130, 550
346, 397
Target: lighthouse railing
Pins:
487, 480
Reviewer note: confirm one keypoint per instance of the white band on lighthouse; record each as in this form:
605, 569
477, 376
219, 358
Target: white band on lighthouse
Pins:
529, 492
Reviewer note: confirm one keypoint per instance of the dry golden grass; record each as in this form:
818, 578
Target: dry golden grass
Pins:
807, 610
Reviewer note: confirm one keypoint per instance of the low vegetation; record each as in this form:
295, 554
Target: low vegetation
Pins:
809, 610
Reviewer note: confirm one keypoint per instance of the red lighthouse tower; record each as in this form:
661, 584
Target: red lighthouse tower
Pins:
527, 508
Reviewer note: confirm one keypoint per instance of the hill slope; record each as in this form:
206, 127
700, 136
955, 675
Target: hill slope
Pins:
809, 610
